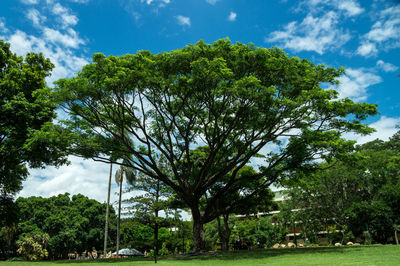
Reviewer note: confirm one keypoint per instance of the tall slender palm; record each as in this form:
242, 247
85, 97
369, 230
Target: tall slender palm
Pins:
396, 228
107, 212
119, 177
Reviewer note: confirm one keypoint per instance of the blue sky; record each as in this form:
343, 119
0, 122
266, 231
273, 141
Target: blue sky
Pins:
361, 35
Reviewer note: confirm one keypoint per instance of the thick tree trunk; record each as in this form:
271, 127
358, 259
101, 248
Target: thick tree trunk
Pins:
224, 234
198, 231
107, 213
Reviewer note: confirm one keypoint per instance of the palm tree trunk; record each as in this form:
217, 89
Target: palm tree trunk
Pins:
119, 212
156, 223
107, 213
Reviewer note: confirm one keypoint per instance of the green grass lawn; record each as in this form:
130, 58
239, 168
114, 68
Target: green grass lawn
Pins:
356, 255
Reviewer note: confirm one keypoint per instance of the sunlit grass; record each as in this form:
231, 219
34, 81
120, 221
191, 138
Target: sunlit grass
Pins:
356, 255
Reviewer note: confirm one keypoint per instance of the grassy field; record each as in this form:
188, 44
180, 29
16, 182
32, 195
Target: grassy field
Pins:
356, 255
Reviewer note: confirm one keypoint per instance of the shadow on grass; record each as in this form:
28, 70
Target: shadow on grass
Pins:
233, 255
106, 261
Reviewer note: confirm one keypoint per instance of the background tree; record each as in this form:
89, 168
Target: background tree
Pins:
235, 99
26, 112
359, 196
73, 224
152, 199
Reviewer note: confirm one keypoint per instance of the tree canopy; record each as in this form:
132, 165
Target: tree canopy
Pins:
356, 197
73, 224
244, 103
26, 107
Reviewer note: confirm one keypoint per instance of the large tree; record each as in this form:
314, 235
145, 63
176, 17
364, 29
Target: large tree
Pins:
239, 100
26, 111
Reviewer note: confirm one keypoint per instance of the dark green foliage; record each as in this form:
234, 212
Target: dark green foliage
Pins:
152, 198
141, 236
233, 98
248, 232
26, 112
75, 224
360, 196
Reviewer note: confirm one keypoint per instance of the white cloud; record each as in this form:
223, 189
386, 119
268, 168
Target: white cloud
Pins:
388, 27
384, 33
387, 67
355, 83
367, 49
212, 2
232, 16
162, 2
81, 176
59, 43
35, 17
3, 27
184, 21
349, 8
70, 39
317, 34
65, 17
30, 2
65, 60
385, 128
85, 177
80, 1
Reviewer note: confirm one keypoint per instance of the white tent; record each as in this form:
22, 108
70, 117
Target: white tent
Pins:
128, 252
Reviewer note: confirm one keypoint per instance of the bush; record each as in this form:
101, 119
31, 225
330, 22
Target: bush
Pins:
164, 251
33, 247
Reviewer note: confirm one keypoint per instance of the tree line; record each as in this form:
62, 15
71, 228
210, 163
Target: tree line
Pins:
360, 198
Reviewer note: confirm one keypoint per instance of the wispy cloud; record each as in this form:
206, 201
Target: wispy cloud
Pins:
64, 14
349, 8
384, 33
69, 39
35, 17
80, 1
57, 41
161, 2
183, 21
212, 2
3, 27
317, 34
385, 128
30, 2
138, 8
387, 67
355, 84
232, 16
367, 49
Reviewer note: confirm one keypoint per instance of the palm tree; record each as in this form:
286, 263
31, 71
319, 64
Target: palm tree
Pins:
119, 176
107, 213
396, 228
9, 232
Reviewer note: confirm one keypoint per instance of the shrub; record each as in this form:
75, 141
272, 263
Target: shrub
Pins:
33, 247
